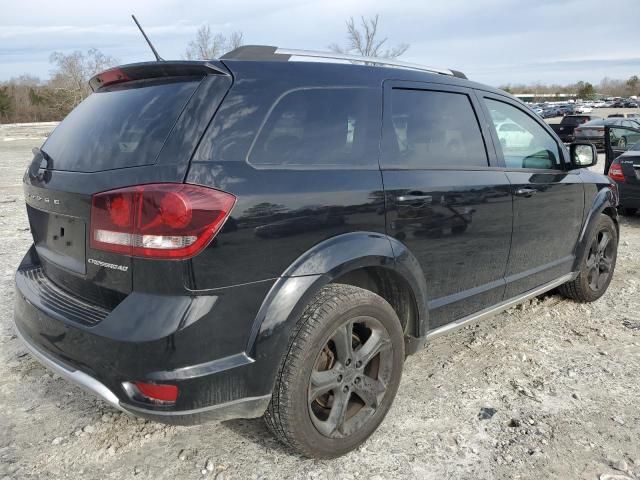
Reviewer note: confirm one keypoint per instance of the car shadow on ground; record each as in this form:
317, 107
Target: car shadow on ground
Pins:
255, 431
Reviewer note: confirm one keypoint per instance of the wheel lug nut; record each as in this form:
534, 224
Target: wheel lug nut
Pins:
339, 378
345, 389
356, 380
358, 364
348, 362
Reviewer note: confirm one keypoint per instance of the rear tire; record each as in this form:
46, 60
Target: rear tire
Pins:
340, 373
596, 265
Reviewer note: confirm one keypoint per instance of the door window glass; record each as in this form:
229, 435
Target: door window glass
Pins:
432, 129
524, 143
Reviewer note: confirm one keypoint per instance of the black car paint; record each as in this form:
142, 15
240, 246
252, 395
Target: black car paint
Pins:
629, 190
217, 324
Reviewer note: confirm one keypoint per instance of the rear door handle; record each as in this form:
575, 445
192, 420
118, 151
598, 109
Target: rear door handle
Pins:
526, 192
414, 198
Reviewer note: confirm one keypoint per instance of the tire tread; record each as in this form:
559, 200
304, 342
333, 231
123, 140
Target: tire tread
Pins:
277, 416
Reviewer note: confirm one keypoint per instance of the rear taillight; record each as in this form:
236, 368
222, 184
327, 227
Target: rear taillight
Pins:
164, 220
616, 173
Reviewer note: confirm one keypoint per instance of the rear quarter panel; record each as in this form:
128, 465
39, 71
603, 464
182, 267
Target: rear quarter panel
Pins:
280, 213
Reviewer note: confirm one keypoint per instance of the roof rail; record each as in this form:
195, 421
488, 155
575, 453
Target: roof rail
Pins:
269, 53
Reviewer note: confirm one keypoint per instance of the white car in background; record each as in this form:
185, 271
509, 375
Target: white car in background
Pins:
512, 135
583, 109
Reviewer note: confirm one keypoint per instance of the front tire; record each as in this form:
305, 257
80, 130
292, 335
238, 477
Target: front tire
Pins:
596, 265
340, 374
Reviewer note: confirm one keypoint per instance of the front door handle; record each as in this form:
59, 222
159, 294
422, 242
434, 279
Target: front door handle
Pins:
526, 192
414, 198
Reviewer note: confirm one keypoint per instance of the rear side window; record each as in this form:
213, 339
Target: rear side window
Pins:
428, 129
122, 127
320, 127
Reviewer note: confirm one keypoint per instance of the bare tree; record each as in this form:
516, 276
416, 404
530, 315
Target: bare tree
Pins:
236, 39
364, 40
207, 45
70, 77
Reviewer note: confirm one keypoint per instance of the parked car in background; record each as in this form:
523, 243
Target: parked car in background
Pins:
624, 115
567, 125
566, 110
583, 109
593, 131
631, 104
510, 133
625, 171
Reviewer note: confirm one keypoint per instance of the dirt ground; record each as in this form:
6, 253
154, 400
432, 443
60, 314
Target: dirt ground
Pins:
546, 390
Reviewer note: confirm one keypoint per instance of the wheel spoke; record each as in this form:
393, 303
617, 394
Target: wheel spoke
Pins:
369, 390
601, 280
337, 414
322, 382
342, 340
593, 278
375, 344
604, 241
591, 261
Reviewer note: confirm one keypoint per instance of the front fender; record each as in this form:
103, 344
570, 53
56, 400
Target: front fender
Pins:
604, 199
325, 262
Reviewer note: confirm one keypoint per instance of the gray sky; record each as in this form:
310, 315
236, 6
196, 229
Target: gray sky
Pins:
492, 41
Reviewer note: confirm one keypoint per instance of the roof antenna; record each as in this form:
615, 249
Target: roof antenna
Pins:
158, 57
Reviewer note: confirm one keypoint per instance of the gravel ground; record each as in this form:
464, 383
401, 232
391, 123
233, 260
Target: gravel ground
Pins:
548, 389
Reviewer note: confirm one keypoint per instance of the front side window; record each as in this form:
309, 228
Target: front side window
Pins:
320, 127
524, 143
430, 129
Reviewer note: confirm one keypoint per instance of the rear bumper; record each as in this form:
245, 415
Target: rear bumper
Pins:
242, 408
146, 339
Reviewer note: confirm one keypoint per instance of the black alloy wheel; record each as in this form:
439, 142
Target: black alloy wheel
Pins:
350, 377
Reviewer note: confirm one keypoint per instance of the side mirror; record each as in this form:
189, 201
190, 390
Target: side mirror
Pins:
583, 155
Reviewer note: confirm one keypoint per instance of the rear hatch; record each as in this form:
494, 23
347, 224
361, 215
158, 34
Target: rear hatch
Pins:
141, 125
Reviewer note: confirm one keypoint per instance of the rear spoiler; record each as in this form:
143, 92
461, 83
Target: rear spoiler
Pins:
147, 70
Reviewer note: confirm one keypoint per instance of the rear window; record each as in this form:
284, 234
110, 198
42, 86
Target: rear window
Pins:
320, 127
577, 120
596, 123
124, 126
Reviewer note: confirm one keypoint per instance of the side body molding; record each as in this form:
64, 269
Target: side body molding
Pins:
325, 262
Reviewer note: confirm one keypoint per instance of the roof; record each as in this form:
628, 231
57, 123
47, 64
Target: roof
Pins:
270, 53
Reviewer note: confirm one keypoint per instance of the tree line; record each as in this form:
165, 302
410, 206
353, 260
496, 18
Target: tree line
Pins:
609, 87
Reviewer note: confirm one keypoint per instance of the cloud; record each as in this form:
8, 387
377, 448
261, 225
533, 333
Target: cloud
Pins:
493, 41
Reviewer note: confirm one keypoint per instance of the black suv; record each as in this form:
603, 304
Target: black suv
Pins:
260, 236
